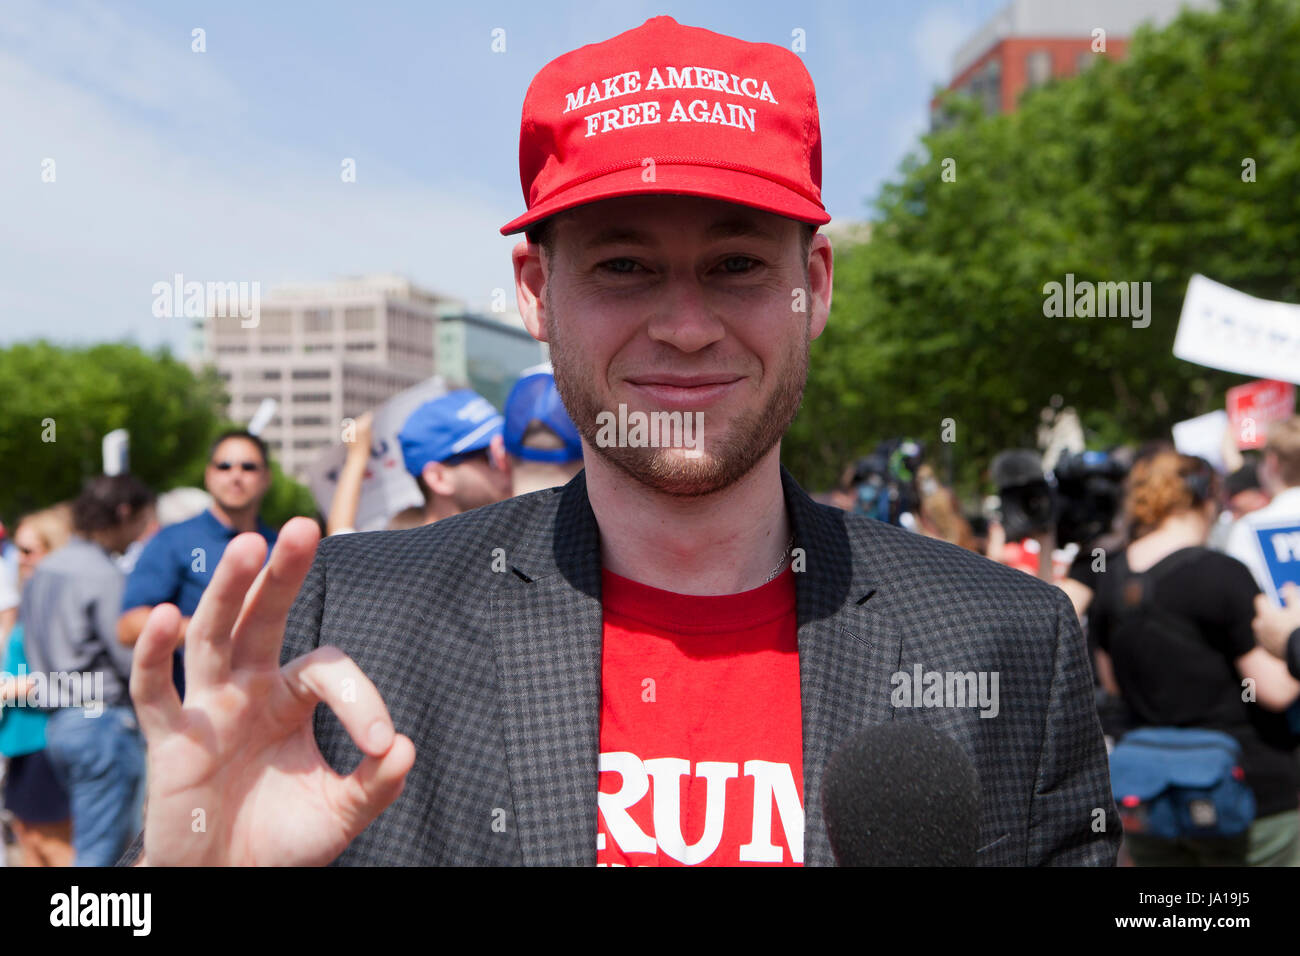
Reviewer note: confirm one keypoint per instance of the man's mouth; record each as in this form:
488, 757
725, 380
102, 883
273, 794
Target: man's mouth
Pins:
684, 391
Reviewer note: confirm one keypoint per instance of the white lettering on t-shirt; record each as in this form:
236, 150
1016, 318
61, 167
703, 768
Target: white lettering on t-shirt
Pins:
774, 784
627, 835
667, 773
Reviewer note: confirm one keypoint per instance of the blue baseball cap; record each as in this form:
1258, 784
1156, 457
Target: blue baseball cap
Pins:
453, 424
536, 399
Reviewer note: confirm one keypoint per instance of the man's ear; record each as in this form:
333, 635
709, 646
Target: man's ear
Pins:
530, 287
438, 477
821, 271
498, 454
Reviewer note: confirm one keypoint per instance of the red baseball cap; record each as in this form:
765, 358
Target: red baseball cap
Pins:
670, 109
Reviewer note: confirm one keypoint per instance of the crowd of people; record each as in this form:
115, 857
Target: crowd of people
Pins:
79, 579
1174, 594
1170, 588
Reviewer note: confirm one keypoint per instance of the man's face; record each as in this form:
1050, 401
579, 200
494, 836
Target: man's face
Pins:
478, 483
31, 550
1244, 502
236, 476
679, 304
481, 478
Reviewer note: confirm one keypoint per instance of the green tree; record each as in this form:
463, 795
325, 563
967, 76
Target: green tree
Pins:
57, 403
1134, 171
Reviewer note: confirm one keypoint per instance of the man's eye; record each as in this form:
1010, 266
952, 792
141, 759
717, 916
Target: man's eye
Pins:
739, 265
620, 266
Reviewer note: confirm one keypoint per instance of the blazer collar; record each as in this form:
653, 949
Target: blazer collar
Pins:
548, 642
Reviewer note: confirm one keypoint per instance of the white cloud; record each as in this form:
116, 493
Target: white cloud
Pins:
158, 173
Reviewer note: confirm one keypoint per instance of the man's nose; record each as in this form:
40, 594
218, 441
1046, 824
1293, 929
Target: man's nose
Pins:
683, 317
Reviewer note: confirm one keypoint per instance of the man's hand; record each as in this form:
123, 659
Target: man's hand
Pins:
1272, 624
235, 776
363, 437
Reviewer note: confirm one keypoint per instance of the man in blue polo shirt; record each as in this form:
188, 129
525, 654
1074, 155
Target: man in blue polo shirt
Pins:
177, 563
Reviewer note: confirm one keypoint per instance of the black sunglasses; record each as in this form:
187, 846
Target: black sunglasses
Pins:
244, 465
481, 454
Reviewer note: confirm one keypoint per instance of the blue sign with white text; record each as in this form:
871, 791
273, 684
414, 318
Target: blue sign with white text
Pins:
1280, 545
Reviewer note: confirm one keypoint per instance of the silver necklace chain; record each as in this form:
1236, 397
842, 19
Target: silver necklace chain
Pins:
785, 556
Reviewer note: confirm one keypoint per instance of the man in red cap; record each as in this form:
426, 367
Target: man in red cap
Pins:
654, 663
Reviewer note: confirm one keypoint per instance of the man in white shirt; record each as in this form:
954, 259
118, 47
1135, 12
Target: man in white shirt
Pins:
1279, 473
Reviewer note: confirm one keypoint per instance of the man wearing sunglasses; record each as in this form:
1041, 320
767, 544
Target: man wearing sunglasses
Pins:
177, 563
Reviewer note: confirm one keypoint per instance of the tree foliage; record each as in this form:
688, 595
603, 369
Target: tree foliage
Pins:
57, 403
1134, 171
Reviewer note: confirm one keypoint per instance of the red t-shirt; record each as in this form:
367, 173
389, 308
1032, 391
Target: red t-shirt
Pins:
701, 744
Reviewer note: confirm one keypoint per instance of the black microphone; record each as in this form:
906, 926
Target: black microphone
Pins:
901, 794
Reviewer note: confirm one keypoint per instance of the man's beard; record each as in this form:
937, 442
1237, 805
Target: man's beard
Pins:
723, 461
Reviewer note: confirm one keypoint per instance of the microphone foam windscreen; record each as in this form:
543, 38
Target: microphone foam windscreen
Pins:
901, 794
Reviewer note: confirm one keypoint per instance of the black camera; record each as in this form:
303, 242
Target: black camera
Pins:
1089, 491
1078, 499
1027, 495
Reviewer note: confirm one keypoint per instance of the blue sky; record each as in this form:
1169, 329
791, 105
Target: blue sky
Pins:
224, 165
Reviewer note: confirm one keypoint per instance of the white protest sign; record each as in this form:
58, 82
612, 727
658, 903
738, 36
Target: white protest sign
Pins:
387, 487
1223, 328
1203, 436
116, 447
262, 417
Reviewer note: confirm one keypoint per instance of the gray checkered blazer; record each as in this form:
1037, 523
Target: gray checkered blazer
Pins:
495, 676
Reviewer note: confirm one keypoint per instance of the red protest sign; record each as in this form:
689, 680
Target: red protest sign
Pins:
1254, 406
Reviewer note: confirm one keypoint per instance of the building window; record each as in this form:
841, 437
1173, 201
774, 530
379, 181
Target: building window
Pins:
228, 325
301, 373
318, 320
274, 322
232, 349
271, 374
274, 349
311, 396
360, 346
319, 347
359, 320
310, 420
1038, 67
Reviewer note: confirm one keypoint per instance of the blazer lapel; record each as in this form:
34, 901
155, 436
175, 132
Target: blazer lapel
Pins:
548, 644
847, 651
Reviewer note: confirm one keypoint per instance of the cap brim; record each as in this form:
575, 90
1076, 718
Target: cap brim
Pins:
673, 179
